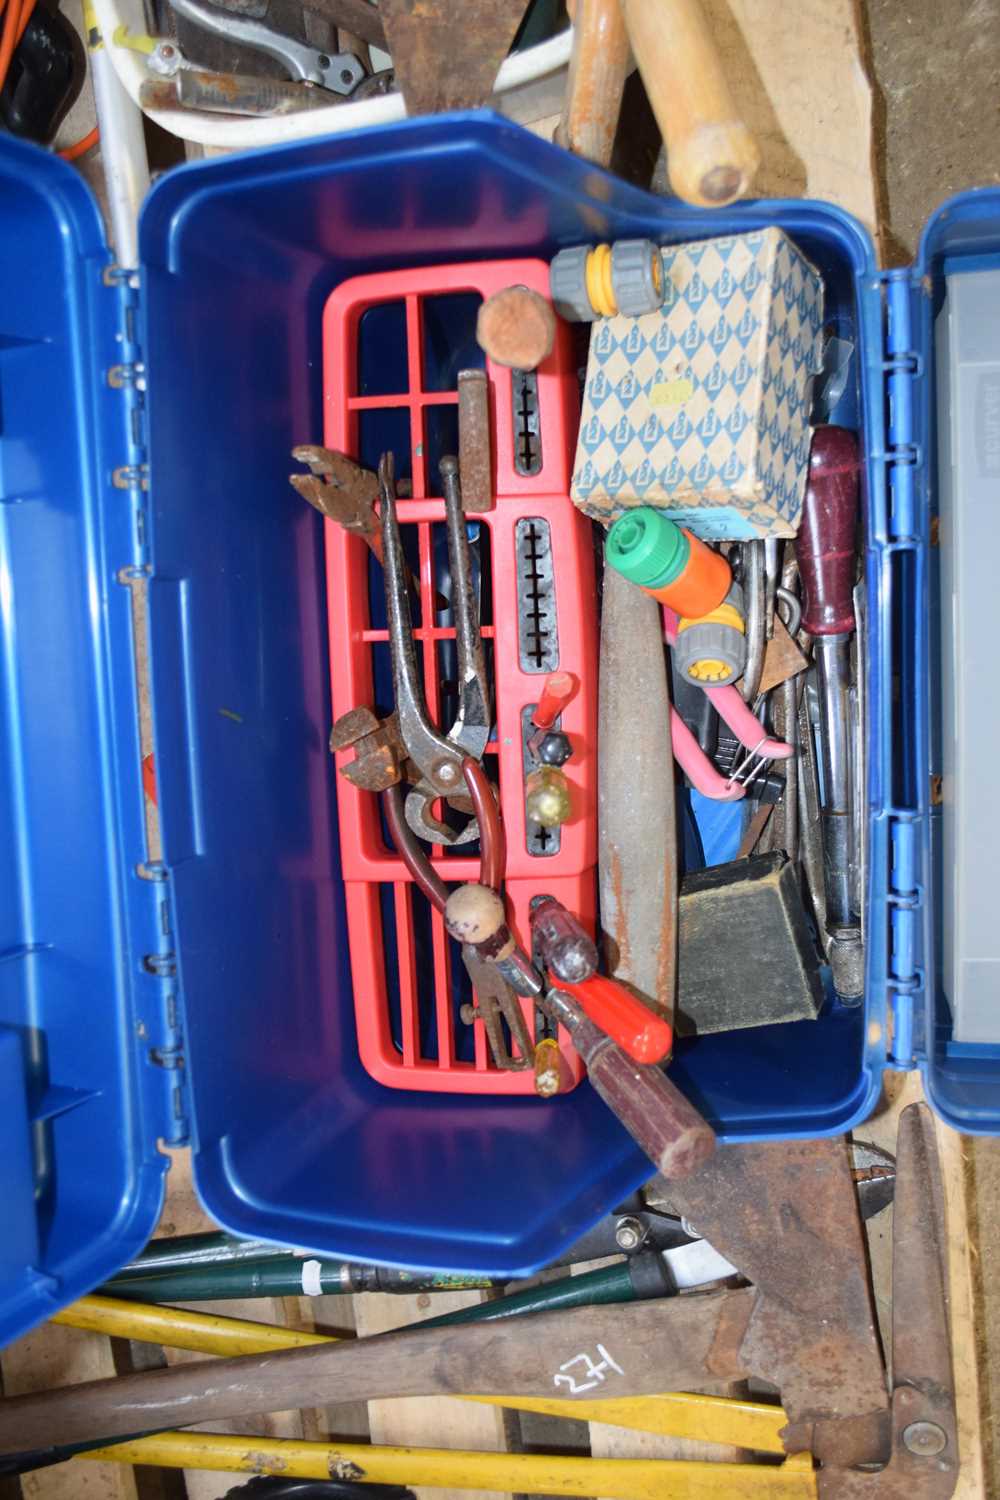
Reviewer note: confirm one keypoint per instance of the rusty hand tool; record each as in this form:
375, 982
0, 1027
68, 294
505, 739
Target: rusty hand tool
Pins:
380, 758
339, 489
655, 1113
637, 832
711, 155
783, 1213
437, 758
496, 1000
342, 491
229, 94
640, 1348
446, 53
474, 461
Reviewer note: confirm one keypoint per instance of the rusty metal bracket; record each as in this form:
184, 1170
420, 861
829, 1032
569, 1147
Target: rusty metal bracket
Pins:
447, 53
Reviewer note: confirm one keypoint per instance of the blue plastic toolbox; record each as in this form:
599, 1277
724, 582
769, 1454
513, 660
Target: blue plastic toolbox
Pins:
145, 426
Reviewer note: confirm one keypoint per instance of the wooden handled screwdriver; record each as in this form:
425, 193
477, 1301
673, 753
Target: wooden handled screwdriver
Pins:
827, 559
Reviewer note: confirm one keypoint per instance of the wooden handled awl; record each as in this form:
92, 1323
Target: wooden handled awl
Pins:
711, 155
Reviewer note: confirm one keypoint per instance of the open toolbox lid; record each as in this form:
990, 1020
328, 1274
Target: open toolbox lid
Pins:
92, 1067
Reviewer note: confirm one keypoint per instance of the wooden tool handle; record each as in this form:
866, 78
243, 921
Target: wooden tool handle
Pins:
653, 1110
711, 155
596, 79
641, 1349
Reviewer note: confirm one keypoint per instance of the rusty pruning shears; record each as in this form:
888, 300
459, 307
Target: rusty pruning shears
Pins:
437, 757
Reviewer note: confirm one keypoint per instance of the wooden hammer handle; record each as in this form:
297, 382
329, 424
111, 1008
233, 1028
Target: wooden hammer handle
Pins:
711, 155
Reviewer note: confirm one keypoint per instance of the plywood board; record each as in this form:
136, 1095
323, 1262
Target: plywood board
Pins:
51, 1356
183, 1214
429, 1421
799, 78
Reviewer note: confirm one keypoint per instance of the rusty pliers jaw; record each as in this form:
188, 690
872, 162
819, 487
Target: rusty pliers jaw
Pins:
438, 760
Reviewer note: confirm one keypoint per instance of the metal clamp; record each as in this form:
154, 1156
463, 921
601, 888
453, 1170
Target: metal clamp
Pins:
340, 72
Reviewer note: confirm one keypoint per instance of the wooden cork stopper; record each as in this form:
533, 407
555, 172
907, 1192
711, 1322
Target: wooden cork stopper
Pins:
474, 914
516, 327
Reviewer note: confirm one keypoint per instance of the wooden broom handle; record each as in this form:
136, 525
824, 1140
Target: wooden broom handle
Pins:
711, 155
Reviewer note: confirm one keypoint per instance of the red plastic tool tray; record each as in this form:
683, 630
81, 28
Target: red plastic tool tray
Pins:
407, 985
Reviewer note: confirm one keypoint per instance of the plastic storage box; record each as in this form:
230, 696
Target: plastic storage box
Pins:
146, 427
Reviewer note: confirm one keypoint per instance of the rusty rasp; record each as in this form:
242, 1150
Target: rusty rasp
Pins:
446, 53
637, 830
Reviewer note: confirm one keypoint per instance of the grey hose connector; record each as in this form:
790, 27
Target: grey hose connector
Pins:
637, 276
709, 652
568, 285
637, 283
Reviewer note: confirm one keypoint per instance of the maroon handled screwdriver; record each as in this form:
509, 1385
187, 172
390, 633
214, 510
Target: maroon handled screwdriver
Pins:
827, 560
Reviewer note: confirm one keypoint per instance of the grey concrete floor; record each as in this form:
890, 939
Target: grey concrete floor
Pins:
937, 68
936, 64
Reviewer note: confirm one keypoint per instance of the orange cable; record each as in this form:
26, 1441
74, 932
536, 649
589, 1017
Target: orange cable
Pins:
70, 153
14, 22
26, 10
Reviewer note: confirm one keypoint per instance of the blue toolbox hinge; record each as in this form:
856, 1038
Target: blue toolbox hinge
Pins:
906, 981
902, 367
127, 377
899, 474
160, 1033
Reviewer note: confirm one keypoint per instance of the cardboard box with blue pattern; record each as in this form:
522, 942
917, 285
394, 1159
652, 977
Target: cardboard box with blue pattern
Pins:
702, 408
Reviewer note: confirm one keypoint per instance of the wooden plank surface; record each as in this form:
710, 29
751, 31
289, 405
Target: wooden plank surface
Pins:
183, 1214
49, 1356
799, 79
429, 1421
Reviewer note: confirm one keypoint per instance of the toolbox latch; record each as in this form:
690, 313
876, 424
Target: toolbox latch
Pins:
900, 514
159, 1027
129, 470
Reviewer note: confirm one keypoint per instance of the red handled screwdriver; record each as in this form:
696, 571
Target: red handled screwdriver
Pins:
562, 945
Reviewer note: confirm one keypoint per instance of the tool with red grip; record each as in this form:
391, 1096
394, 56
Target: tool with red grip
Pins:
653, 1110
639, 1031
827, 564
